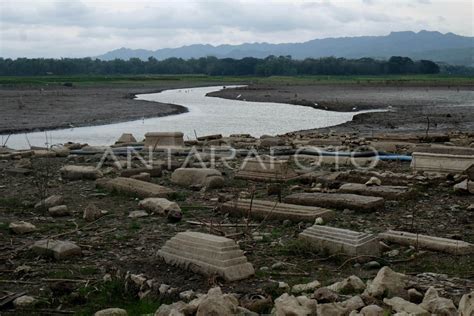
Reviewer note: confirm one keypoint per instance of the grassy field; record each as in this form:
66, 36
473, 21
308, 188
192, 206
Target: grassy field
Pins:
288, 80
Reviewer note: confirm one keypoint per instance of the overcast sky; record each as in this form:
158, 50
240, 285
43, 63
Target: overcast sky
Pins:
70, 28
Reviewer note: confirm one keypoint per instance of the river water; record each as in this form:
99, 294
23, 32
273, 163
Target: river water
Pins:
207, 115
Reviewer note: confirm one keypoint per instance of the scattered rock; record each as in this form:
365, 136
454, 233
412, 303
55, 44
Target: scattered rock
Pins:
461, 187
24, 163
24, 301
466, 305
142, 176
372, 310
21, 227
278, 265
305, 288
92, 213
352, 304
333, 309
387, 283
51, 201
216, 303
159, 206
372, 265
438, 305
137, 214
291, 305
414, 296
111, 312
319, 221
325, 295
175, 309
352, 284
399, 305
374, 181
187, 295
60, 210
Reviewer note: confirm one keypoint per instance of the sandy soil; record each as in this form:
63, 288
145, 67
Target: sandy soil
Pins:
448, 108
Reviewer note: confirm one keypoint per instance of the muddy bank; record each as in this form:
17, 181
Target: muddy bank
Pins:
409, 107
47, 107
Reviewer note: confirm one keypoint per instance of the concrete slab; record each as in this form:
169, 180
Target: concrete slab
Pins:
444, 163
57, 249
337, 240
74, 172
390, 192
207, 254
441, 149
134, 187
271, 210
337, 200
266, 169
154, 171
451, 246
19, 171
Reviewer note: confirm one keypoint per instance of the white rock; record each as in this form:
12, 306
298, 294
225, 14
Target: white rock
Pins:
372, 310
21, 227
305, 288
175, 309
438, 305
374, 181
319, 221
92, 213
159, 205
352, 304
283, 285
111, 312
51, 201
24, 301
466, 305
333, 309
290, 305
187, 295
60, 210
138, 279
216, 303
348, 285
399, 305
387, 283
137, 214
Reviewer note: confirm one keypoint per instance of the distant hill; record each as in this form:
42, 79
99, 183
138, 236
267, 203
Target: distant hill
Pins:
447, 48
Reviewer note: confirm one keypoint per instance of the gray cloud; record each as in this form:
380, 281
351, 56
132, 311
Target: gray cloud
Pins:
87, 28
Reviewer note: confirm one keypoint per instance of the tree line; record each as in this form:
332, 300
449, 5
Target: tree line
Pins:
270, 66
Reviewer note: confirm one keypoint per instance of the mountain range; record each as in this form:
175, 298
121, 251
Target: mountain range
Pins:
445, 48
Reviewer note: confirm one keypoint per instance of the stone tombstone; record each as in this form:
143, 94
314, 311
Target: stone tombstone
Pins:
164, 140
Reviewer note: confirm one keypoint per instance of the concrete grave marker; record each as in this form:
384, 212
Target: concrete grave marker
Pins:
276, 211
337, 240
157, 140
207, 254
135, 187
452, 246
266, 169
337, 200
